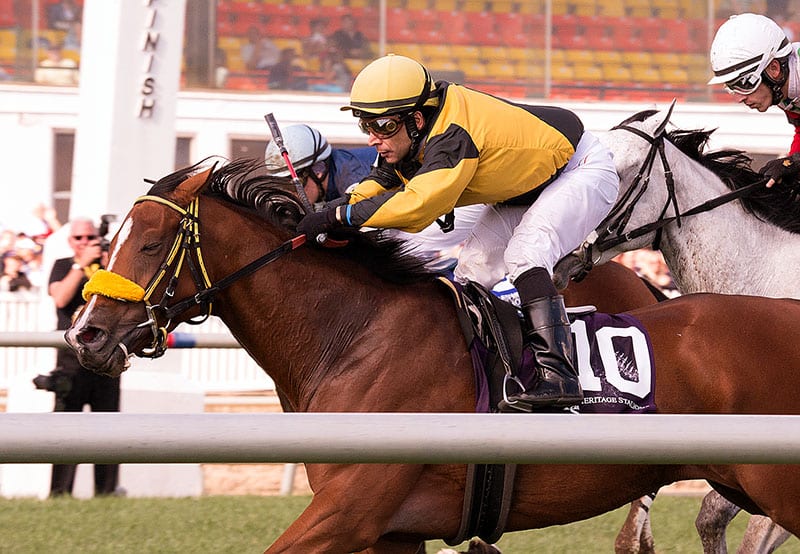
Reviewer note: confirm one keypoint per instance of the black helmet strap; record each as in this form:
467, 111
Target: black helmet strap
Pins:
776, 85
409, 120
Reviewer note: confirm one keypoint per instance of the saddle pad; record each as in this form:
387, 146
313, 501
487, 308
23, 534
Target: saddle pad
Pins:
615, 364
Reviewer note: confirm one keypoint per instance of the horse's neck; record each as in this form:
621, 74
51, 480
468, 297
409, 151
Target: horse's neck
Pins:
299, 316
726, 249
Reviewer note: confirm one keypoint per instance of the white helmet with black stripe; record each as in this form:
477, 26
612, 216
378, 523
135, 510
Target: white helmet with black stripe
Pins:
743, 47
305, 146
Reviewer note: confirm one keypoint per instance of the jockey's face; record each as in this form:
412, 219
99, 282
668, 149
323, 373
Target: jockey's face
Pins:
761, 98
313, 192
395, 148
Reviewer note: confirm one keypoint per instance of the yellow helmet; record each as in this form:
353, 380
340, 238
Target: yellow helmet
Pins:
391, 84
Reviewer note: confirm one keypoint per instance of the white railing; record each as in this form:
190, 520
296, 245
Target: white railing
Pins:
399, 438
214, 369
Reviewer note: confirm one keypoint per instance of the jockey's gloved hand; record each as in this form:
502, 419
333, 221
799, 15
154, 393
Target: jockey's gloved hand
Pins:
316, 225
783, 169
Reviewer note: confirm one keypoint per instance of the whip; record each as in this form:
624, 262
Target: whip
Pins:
278, 138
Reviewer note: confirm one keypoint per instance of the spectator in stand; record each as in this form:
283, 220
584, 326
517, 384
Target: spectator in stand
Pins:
73, 385
14, 278
259, 52
779, 9
55, 69
30, 252
8, 239
336, 76
63, 15
49, 220
316, 45
221, 64
72, 41
287, 74
349, 42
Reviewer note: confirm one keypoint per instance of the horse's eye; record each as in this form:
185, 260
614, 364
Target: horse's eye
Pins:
151, 247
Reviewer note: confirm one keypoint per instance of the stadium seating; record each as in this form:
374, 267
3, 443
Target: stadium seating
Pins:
638, 46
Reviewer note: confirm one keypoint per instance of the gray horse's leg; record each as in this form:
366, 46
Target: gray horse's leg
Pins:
647, 544
636, 536
715, 514
762, 536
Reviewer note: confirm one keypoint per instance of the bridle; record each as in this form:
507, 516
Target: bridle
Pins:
611, 231
186, 252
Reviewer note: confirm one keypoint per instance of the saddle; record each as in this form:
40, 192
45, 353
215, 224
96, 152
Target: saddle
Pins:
494, 333
618, 364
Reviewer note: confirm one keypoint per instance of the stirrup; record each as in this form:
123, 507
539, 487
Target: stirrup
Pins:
522, 407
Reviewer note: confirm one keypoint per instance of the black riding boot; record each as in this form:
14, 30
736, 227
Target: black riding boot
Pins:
550, 340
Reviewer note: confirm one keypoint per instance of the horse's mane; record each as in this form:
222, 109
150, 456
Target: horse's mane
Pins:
778, 205
734, 167
245, 183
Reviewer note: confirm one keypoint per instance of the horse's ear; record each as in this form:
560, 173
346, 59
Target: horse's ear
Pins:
192, 186
660, 130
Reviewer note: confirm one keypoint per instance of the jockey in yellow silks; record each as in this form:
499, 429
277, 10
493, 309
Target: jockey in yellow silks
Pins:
545, 181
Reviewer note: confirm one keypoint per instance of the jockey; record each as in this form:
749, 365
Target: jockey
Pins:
751, 55
545, 181
327, 173
324, 171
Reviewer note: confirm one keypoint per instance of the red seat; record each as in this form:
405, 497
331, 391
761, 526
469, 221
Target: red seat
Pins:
480, 24
424, 21
509, 23
396, 33
674, 36
571, 31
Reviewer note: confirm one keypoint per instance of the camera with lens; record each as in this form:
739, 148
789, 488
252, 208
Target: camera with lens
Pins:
102, 229
57, 381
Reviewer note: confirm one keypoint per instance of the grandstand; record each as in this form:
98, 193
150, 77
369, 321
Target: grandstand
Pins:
576, 49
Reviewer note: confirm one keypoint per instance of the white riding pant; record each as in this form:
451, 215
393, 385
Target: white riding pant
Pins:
443, 248
509, 240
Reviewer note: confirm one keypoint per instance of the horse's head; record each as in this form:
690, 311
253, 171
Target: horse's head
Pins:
638, 145
126, 311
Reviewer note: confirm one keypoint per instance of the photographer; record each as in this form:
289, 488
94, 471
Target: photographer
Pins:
73, 385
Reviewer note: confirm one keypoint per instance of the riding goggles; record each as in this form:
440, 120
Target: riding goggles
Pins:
744, 84
381, 127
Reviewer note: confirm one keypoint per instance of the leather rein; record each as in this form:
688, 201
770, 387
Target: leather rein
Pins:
186, 248
611, 231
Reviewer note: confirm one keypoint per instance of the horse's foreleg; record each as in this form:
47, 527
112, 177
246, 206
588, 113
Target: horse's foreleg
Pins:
345, 514
635, 536
762, 536
716, 513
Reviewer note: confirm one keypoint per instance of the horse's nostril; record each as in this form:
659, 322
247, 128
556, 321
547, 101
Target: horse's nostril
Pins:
87, 335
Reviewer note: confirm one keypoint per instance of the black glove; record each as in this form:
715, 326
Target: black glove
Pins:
318, 223
783, 168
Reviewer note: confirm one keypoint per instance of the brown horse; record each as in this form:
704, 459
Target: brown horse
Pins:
612, 289
334, 336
